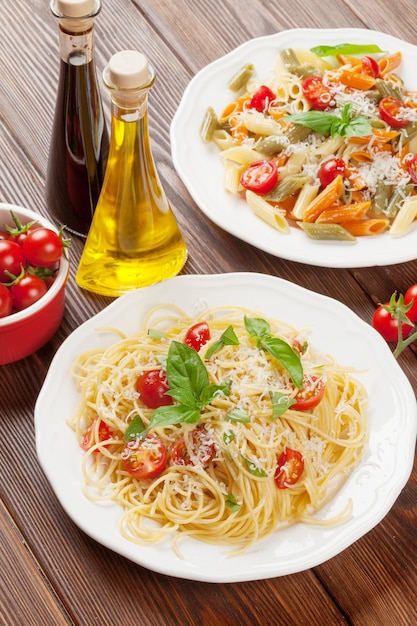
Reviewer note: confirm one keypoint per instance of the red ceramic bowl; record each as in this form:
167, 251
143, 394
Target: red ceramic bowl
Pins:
24, 332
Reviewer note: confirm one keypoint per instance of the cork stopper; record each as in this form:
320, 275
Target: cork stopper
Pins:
127, 69
75, 8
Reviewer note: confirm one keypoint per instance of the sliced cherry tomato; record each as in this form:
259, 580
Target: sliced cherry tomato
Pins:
387, 326
260, 177
261, 99
391, 111
197, 335
6, 303
411, 164
289, 469
200, 452
330, 169
370, 67
145, 458
152, 387
43, 247
411, 296
104, 433
310, 394
317, 93
27, 291
12, 258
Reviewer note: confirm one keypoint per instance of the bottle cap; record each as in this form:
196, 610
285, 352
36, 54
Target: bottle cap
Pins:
75, 8
127, 69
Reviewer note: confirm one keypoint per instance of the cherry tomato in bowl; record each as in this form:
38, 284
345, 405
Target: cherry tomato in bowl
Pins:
42, 247
6, 303
260, 177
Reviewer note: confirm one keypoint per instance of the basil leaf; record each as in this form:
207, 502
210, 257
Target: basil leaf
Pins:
254, 469
211, 391
228, 436
228, 338
186, 373
232, 503
282, 351
346, 48
257, 327
317, 120
358, 127
238, 415
173, 414
280, 404
135, 430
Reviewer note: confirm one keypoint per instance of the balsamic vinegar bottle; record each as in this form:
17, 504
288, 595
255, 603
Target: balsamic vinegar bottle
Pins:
134, 239
79, 141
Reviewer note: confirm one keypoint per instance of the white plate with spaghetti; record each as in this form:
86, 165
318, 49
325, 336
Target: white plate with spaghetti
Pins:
371, 489
201, 169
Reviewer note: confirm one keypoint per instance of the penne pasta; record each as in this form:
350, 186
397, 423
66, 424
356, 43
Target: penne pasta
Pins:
328, 196
267, 213
404, 218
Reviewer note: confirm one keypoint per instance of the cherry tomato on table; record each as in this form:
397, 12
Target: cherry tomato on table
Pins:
391, 111
289, 469
6, 303
197, 335
330, 169
145, 458
387, 326
43, 247
104, 433
152, 387
260, 177
317, 93
310, 394
202, 448
12, 258
411, 296
261, 99
27, 291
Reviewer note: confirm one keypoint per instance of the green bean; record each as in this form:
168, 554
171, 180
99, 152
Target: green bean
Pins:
326, 231
241, 77
285, 188
273, 144
208, 125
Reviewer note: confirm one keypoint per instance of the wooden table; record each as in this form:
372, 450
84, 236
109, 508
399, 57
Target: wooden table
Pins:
52, 573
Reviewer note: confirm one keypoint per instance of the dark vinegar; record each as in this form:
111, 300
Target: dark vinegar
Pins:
79, 147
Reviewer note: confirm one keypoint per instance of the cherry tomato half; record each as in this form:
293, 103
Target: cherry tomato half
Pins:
391, 111
42, 247
260, 177
330, 169
152, 387
197, 335
370, 67
411, 296
145, 458
12, 258
104, 433
317, 93
310, 394
387, 326
27, 291
289, 469
6, 303
201, 449
411, 165
261, 99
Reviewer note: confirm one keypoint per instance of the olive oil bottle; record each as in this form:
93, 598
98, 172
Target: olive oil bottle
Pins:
79, 142
134, 239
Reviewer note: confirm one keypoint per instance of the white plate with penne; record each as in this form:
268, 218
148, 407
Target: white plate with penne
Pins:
304, 144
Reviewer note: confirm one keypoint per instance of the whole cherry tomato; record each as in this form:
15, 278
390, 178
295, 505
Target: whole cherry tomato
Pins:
27, 291
330, 169
260, 177
317, 93
43, 247
152, 387
289, 469
391, 111
6, 303
261, 99
387, 325
411, 296
197, 335
145, 458
12, 259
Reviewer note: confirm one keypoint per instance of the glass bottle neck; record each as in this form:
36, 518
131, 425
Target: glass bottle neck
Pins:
76, 47
129, 107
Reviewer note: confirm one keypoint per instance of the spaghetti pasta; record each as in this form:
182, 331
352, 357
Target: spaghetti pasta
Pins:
227, 486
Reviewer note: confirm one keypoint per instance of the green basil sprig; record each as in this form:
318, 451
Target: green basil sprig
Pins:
227, 338
260, 330
345, 125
